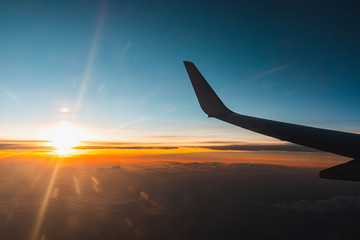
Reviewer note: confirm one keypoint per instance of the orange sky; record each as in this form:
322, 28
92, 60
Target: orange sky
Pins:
123, 153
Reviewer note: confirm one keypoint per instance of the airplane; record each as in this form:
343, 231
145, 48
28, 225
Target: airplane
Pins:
337, 142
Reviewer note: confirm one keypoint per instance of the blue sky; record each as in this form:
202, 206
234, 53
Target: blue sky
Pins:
117, 65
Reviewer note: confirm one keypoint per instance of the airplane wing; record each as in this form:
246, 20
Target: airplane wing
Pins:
340, 143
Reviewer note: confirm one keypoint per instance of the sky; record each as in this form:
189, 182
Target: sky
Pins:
113, 70
101, 134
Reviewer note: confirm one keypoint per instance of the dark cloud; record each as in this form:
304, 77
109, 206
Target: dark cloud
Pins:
221, 142
22, 141
124, 147
282, 148
108, 143
24, 146
227, 147
169, 137
262, 147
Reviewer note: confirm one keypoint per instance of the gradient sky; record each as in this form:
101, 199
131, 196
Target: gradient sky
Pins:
117, 66
153, 165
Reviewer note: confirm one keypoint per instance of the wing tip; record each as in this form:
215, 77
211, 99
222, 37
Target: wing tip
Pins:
210, 103
188, 63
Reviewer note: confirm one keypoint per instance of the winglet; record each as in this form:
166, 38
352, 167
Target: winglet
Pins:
209, 101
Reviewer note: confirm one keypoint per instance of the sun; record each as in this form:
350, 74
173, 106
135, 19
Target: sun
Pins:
64, 137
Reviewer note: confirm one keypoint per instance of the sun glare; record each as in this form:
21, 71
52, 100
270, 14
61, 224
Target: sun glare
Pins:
64, 138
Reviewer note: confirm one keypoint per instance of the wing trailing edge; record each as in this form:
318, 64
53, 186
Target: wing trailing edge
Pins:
340, 143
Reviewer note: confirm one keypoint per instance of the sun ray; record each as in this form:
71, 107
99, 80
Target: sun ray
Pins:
42, 210
91, 59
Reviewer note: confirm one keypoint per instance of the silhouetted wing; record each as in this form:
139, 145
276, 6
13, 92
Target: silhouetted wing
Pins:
341, 143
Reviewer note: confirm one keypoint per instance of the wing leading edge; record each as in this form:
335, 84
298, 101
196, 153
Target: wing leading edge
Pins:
340, 143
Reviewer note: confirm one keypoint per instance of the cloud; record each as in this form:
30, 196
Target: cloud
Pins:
4, 146
126, 48
204, 145
23, 141
133, 122
11, 95
272, 71
124, 147
336, 204
161, 200
101, 87
93, 143
169, 137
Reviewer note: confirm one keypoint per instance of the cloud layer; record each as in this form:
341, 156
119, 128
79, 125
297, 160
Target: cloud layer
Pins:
218, 146
174, 200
